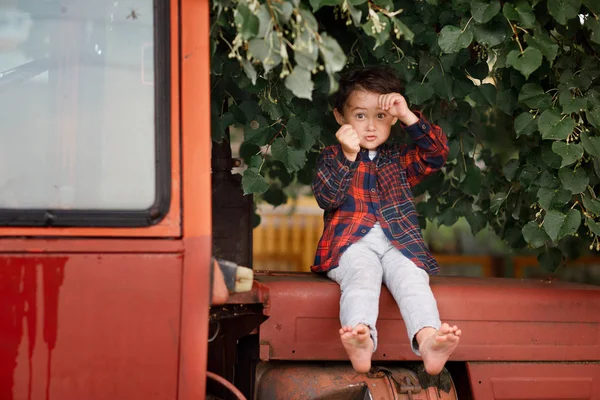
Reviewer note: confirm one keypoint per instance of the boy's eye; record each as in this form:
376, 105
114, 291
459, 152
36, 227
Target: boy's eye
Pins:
360, 115
381, 115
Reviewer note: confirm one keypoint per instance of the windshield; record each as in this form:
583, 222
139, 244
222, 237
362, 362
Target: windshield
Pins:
78, 108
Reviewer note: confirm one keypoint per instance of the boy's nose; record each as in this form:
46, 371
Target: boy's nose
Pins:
370, 125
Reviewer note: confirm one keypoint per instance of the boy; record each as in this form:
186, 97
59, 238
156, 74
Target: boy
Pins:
371, 233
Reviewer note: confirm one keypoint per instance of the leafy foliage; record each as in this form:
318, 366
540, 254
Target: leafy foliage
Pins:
514, 84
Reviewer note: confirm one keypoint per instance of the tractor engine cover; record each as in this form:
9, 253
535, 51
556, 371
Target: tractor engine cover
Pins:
336, 381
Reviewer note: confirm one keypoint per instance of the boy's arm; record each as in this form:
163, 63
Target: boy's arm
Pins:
333, 178
428, 153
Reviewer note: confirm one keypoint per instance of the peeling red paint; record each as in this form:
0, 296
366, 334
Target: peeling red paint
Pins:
18, 305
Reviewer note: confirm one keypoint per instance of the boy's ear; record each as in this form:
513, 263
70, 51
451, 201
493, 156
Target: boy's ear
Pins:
339, 117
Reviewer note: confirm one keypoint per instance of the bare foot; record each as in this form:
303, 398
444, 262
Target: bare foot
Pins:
436, 346
358, 345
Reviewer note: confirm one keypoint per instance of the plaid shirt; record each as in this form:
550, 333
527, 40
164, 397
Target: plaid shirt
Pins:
357, 194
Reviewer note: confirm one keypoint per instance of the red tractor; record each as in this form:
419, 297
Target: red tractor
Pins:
109, 213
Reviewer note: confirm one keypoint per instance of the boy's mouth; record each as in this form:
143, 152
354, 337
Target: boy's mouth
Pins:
370, 138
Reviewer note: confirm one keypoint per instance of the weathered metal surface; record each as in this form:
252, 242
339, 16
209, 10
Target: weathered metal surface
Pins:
317, 381
501, 320
89, 326
525, 381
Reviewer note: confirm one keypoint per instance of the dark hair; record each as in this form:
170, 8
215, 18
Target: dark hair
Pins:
378, 79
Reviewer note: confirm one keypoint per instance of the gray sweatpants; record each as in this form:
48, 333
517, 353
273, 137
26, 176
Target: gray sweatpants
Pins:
362, 269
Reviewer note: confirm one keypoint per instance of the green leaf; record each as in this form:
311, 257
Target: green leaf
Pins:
300, 83
527, 62
549, 157
569, 152
262, 51
249, 70
473, 180
448, 217
306, 133
594, 26
558, 225
316, 4
553, 126
306, 51
593, 114
525, 124
491, 34
571, 104
273, 109
591, 205
401, 30
418, 93
275, 196
591, 144
544, 44
484, 11
246, 22
510, 169
259, 136
528, 174
550, 259
593, 225
283, 10
248, 151
293, 159
355, 13
593, 5
264, 18
522, 13
574, 180
533, 96
506, 101
378, 26
476, 220
452, 39
332, 53
253, 182
548, 180
564, 10
496, 202
553, 198
534, 235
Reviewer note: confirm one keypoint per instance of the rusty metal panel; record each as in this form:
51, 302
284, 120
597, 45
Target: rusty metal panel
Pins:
501, 319
293, 381
89, 326
524, 381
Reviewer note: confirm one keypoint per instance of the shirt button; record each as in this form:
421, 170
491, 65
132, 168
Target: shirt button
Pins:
373, 190
424, 126
363, 231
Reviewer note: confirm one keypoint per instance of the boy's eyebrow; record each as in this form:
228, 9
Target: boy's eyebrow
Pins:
363, 108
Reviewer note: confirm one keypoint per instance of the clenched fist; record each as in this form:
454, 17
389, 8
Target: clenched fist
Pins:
349, 140
395, 104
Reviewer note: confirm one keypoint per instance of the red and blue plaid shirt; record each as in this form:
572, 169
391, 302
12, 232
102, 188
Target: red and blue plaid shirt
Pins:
356, 194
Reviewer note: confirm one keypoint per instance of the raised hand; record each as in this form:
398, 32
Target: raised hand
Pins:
349, 140
395, 104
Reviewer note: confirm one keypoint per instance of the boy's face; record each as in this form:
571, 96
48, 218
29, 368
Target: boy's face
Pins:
371, 123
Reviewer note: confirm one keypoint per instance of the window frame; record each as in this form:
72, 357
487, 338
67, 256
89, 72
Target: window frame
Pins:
163, 217
49, 217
